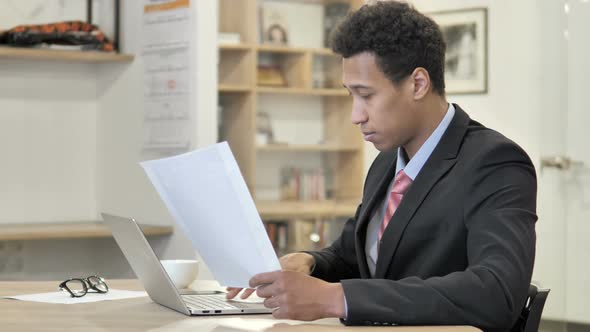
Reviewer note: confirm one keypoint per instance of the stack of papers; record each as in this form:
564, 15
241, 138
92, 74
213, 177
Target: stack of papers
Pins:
208, 198
66, 298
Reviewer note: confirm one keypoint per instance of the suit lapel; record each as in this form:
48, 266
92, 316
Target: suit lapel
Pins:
379, 186
438, 164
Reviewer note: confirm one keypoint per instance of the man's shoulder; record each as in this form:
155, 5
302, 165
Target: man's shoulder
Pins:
483, 142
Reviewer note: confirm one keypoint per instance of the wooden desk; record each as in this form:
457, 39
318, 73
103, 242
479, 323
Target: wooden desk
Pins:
141, 314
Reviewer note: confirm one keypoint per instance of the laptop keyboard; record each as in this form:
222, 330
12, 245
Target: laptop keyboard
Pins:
209, 302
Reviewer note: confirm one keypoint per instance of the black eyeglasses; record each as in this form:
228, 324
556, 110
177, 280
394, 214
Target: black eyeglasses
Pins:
78, 287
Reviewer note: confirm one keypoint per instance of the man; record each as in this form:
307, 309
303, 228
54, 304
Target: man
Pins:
445, 230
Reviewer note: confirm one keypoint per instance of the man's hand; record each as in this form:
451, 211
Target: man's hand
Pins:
298, 261
296, 295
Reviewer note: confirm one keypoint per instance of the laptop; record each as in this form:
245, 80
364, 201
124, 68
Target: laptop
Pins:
157, 283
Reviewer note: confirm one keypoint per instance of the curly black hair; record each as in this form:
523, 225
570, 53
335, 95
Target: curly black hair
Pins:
400, 37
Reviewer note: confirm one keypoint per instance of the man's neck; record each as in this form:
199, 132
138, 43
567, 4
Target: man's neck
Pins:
433, 114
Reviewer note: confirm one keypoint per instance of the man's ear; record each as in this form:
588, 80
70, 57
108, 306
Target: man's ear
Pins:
421, 81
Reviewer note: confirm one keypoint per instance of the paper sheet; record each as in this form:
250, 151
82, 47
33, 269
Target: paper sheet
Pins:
207, 196
66, 298
213, 285
235, 324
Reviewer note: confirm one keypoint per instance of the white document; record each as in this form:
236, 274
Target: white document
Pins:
207, 196
66, 298
168, 49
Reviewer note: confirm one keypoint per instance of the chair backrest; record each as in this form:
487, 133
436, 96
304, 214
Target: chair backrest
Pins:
530, 317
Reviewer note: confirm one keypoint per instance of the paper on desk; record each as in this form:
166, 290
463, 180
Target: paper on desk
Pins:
65, 298
207, 196
213, 285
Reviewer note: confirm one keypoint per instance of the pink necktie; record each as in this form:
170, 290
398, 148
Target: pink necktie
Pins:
400, 186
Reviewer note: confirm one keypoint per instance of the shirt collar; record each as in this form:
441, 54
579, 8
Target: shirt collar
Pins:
413, 167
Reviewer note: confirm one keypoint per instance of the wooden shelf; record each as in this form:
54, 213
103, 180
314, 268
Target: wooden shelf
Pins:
269, 48
67, 230
323, 51
306, 148
301, 91
230, 88
282, 49
306, 209
235, 47
63, 56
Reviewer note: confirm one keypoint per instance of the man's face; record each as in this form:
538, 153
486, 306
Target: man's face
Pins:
384, 111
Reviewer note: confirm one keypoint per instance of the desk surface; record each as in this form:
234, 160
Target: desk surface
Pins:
141, 314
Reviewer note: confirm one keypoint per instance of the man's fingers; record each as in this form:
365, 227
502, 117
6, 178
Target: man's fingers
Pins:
264, 278
272, 302
266, 291
232, 292
277, 313
247, 292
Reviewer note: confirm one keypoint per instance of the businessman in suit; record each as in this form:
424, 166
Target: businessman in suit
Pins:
445, 232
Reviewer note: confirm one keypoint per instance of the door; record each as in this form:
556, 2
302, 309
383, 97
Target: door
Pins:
577, 178
563, 231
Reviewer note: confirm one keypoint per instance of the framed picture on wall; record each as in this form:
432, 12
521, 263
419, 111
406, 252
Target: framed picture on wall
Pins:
275, 27
465, 33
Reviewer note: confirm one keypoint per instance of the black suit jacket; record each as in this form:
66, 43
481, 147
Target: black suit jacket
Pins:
459, 249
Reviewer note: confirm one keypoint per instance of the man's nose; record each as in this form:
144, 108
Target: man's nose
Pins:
359, 114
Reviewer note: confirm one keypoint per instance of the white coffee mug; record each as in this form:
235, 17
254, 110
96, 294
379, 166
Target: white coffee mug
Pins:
182, 272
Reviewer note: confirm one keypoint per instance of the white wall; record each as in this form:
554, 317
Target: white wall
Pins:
17, 12
48, 141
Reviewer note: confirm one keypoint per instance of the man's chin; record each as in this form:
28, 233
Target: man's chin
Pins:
383, 147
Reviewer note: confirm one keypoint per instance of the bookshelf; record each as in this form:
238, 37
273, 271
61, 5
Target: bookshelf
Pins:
309, 114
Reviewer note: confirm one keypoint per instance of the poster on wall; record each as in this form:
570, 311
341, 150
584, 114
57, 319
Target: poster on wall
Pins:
167, 48
465, 33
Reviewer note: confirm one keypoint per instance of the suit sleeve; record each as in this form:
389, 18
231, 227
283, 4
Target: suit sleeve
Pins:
499, 215
338, 261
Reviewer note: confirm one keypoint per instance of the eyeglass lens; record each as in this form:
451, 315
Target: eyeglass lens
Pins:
76, 287
97, 284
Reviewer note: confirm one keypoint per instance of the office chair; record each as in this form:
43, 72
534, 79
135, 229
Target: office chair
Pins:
530, 317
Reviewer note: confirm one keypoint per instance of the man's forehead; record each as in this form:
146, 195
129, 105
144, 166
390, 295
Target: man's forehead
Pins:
361, 71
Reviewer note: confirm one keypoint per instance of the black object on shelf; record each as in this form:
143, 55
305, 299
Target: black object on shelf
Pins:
116, 4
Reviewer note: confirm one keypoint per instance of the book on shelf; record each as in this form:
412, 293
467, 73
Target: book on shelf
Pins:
277, 232
229, 38
264, 132
270, 75
303, 184
282, 236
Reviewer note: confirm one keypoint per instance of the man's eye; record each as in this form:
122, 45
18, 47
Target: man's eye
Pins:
366, 96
